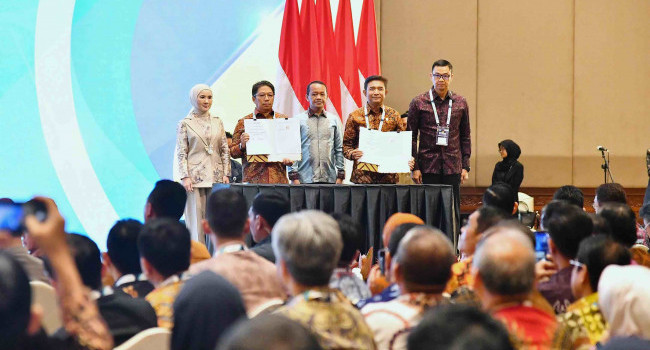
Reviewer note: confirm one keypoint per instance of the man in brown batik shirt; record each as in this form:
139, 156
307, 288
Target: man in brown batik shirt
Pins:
377, 114
259, 172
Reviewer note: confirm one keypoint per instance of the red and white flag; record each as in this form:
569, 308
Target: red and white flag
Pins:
347, 60
311, 49
367, 46
290, 72
330, 72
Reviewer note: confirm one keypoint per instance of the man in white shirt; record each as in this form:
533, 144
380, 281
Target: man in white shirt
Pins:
421, 268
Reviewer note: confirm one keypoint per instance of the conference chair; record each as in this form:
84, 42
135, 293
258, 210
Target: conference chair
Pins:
44, 295
152, 338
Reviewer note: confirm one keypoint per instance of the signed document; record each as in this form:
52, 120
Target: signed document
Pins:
390, 151
277, 138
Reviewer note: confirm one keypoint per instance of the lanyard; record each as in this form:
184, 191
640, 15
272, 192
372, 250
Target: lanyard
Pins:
381, 122
230, 248
435, 111
316, 295
129, 278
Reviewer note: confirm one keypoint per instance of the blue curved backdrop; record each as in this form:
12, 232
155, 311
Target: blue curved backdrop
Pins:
132, 65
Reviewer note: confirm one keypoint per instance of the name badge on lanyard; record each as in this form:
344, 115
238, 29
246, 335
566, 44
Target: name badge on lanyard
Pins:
442, 135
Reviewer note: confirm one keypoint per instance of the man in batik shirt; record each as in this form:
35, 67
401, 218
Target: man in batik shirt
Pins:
374, 116
256, 171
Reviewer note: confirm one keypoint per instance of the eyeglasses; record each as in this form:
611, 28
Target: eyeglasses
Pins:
263, 96
444, 77
577, 264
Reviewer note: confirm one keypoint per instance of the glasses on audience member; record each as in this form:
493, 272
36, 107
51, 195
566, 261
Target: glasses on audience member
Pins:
444, 77
577, 264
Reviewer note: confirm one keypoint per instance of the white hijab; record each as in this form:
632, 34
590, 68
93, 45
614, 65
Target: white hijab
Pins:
194, 96
624, 298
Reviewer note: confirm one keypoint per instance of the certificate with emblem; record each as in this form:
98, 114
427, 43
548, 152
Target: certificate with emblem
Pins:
387, 152
273, 139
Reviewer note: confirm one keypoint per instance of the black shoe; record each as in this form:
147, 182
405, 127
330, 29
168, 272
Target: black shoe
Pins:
647, 160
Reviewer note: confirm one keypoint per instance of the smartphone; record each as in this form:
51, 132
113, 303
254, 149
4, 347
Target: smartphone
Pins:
541, 245
12, 215
381, 260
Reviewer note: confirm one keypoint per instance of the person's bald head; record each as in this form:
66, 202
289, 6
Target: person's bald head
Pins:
423, 260
395, 221
505, 262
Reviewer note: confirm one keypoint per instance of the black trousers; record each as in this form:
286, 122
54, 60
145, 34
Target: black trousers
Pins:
454, 181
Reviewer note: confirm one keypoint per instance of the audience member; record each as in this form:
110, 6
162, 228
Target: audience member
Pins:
268, 332
20, 321
627, 343
264, 212
624, 298
601, 226
378, 281
471, 233
343, 279
236, 173
206, 306
307, 247
391, 291
421, 268
504, 276
567, 226
609, 192
501, 195
11, 243
167, 200
570, 194
583, 320
122, 259
622, 221
164, 246
615, 193
125, 316
255, 277
644, 213
458, 327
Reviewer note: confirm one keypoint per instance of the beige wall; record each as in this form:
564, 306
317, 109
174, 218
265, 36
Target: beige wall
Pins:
559, 77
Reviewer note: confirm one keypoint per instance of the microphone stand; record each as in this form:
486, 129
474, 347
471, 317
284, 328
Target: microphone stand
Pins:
605, 166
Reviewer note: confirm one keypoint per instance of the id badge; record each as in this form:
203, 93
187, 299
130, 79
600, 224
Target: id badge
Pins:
442, 137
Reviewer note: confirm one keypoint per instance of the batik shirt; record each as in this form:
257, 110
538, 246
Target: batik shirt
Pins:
584, 323
257, 172
331, 318
356, 120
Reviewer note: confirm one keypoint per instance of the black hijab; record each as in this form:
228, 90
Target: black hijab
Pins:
513, 151
206, 306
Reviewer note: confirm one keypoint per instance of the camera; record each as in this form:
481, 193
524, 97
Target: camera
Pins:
12, 215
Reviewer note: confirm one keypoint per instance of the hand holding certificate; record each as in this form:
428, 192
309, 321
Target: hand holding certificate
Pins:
390, 151
277, 138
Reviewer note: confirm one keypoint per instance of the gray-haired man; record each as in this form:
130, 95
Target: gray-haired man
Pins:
307, 246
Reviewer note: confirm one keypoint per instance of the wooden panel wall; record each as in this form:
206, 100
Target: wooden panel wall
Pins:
559, 77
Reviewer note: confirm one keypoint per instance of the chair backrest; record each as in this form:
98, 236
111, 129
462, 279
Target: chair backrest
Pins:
44, 295
149, 339
526, 203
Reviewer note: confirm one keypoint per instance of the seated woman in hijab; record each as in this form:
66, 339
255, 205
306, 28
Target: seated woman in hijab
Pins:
509, 170
624, 299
